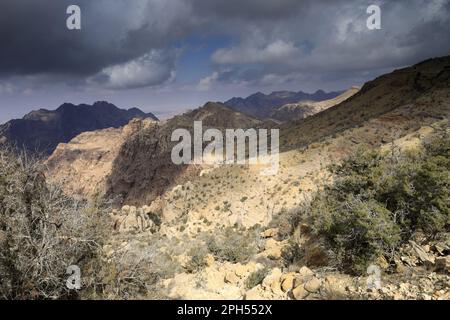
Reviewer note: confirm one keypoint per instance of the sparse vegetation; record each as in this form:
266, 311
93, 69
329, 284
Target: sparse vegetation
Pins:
42, 232
256, 278
379, 200
233, 245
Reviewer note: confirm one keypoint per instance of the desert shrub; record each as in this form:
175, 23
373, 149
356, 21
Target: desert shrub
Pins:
256, 278
285, 221
42, 232
197, 260
379, 200
291, 254
135, 271
233, 245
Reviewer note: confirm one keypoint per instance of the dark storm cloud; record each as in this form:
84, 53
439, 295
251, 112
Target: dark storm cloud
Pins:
128, 44
35, 40
330, 39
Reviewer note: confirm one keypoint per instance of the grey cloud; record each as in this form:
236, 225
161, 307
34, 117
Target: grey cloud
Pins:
34, 38
337, 42
282, 40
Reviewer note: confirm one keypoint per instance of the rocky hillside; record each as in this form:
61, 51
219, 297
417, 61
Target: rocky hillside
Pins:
389, 106
143, 169
262, 106
83, 165
377, 159
304, 109
41, 131
133, 164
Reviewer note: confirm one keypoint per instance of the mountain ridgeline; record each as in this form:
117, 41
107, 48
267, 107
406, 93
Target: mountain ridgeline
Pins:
262, 106
42, 130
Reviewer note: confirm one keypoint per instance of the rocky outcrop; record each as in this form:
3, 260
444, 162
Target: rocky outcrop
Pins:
83, 165
132, 219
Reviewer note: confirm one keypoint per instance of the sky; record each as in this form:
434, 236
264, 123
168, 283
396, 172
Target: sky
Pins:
168, 56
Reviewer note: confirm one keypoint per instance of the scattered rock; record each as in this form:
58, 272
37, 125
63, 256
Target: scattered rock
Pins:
421, 253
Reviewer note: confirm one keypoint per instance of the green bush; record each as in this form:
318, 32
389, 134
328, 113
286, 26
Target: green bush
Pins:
256, 278
378, 201
197, 260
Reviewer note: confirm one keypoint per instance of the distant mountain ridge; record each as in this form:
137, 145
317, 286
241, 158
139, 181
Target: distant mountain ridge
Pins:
262, 105
42, 130
304, 109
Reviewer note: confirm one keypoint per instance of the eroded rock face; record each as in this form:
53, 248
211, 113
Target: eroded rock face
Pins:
83, 165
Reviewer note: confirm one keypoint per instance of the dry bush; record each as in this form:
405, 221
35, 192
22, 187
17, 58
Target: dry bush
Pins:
42, 231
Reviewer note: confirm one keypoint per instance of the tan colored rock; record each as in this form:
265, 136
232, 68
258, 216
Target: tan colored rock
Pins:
274, 249
287, 281
313, 285
254, 293
300, 293
270, 233
231, 277
209, 260
421, 254
272, 281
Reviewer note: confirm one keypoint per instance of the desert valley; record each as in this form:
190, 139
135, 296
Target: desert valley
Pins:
359, 208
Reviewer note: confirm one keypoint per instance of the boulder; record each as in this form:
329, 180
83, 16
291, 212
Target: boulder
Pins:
313, 285
421, 254
270, 233
287, 281
273, 249
300, 293
272, 281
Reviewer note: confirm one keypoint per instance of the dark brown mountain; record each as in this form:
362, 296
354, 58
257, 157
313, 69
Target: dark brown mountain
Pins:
262, 106
42, 130
392, 105
143, 169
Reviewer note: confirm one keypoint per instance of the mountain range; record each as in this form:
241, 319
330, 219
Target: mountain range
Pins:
205, 231
42, 130
262, 105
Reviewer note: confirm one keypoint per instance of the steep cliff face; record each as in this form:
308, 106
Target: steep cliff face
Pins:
144, 169
83, 165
